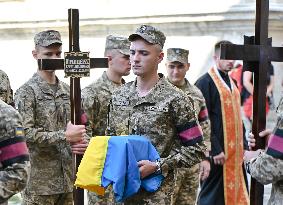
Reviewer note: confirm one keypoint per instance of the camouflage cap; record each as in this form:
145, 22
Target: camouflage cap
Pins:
46, 38
120, 43
177, 54
150, 34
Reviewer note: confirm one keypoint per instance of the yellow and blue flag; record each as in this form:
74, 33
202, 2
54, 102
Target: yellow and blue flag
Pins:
113, 160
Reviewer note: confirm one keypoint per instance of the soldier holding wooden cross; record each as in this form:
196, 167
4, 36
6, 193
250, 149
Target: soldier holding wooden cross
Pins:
44, 103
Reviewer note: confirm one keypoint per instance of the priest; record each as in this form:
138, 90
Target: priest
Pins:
226, 182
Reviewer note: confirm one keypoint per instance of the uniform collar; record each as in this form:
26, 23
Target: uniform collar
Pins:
45, 88
110, 84
151, 97
182, 87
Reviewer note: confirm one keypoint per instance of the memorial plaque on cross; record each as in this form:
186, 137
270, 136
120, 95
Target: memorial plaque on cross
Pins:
76, 65
257, 53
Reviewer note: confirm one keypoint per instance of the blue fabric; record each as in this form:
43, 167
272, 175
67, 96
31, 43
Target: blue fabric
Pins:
152, 182
121, 168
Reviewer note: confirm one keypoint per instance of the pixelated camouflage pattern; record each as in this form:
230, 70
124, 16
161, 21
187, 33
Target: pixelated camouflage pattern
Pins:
199, 102
190, 180
6, 93
95, 100
279, 109
267, 169
177, 54
56, 199
46, 38
45, 116
157, 115
107, 199
13, 179
120, 43
186, 185
150, 34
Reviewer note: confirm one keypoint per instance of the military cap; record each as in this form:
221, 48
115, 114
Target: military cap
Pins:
177, 54
46, 38
120, 43
150, 34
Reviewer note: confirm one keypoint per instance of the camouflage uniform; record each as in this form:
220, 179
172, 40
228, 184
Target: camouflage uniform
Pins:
269, 169
14, 158
96, 96
6, 93
189, 186
45, 115
95, 99
45, 109
160, 115
198, 101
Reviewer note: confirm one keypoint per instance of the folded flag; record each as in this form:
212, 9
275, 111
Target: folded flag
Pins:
113, 160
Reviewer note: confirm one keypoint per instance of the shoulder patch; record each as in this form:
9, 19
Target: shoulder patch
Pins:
19, 131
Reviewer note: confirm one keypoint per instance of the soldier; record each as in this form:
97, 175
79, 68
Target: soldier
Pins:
97, 95
6, 93
267, 166
153, 107
44, 103
14, 157
177, 66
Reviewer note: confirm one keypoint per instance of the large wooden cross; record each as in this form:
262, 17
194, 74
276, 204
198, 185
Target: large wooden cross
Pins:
76, 64
257, 53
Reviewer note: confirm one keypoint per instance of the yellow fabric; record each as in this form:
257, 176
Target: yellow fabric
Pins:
91, 167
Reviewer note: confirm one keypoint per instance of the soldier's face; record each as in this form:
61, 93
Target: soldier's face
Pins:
177, 71
145, 57
51, 52
120, 63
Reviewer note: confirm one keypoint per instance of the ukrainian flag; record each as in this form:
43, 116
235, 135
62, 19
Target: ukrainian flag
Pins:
113, 160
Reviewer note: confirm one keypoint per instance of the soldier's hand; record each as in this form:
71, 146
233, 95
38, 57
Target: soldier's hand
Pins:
204, 169
265, 133
75, 133
146, 168
79, 147
251, 140
219, 159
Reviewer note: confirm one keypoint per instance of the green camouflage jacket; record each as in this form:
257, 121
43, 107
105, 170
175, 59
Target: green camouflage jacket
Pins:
6, 93
166, 116
45, 116
14, 158
200, 108
95, 100
267, 169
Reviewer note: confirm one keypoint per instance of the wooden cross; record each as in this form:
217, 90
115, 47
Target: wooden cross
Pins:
76, 65
256, 53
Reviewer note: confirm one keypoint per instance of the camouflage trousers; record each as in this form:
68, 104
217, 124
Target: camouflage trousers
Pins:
187, 185
107, 199
178, 188
56, 199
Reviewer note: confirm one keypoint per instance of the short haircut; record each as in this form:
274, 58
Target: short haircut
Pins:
217, 45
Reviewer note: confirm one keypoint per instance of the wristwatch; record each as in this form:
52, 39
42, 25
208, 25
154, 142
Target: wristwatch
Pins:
158, 164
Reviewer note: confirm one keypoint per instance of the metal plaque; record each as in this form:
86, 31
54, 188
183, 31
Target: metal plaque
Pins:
76, 64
